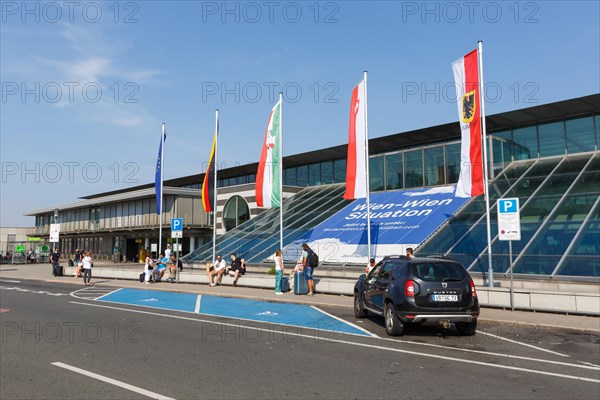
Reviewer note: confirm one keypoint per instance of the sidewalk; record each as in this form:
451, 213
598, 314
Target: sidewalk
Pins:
42, 272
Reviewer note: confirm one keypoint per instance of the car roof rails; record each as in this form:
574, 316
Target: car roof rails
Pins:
402, 257
442, 257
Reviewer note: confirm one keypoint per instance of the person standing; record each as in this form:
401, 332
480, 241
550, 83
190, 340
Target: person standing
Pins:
308, 263
87, 269
410, 253
168, 252
148, 267
55, 260
370, 266
279, 271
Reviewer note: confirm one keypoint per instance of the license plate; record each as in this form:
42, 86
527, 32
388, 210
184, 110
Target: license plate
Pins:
445, 297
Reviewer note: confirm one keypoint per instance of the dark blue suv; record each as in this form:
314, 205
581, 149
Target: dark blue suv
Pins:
427, 290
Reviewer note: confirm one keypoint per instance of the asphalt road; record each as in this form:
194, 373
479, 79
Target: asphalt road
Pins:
181, 355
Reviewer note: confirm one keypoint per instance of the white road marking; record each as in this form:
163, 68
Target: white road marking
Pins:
345, 322
524, 344
104, 295
9, 281
88, 293
594, 366
197, 308
489, 353
365, 345
114, 382
19, 289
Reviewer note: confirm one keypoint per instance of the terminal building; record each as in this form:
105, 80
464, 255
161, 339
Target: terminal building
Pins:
546, 155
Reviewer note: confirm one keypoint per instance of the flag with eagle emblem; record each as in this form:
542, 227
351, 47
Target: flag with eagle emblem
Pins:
268, 176
466, 78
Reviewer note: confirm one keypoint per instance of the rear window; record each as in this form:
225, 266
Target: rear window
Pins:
440, 272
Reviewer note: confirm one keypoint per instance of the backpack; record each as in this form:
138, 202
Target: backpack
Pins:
313, 259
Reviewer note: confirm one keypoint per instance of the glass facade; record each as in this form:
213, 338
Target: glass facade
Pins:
559, 203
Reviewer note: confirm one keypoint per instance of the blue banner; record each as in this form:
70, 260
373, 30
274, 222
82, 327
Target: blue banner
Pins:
158, 176
399, 219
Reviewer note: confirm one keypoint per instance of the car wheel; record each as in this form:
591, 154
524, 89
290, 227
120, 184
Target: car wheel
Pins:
393, 325
359, 311
466, 328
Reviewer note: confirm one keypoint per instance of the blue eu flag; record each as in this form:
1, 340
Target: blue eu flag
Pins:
158, 175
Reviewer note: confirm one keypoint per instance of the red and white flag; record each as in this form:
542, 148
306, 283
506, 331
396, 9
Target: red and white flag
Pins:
466, 77
356, 164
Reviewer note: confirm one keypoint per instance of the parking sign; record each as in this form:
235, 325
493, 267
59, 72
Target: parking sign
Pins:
176, 228
509, 219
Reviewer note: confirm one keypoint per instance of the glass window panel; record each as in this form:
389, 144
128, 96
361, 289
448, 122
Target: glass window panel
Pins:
552, 139
314, 174
589, 182
302, 175
503, 134
583, 259
573, 164
393, 171
452, 162
550, 244
597, 123
507, 153
580, 135
525, 140
434, 165
251, 178
339, 171
327, 172
289, 176
376, 174
413, 168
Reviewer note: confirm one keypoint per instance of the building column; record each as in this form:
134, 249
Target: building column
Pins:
192, 243
146, 243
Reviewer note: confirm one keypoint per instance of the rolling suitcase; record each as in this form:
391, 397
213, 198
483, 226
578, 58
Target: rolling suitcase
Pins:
300, 285
142, 277
285, 284
60, 271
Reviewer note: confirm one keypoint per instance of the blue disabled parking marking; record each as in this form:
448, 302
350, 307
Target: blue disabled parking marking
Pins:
154, 298
298, 315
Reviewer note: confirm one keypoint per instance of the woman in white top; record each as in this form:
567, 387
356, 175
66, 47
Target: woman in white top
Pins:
87, 269
279, 271
148, 270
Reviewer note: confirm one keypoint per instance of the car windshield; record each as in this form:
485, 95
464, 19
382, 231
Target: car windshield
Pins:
444, 272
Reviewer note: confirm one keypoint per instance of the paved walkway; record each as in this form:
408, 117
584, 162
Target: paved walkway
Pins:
43, 272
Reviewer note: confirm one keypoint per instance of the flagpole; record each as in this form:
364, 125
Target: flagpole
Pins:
367, 168
160, 206
485, 166
280, 161
214, 241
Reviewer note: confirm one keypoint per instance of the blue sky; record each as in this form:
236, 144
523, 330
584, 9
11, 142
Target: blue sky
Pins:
176, 61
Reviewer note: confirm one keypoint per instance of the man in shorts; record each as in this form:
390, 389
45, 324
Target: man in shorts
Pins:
215, 271
237, 268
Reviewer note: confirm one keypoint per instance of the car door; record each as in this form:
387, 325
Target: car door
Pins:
369, 285
381, 285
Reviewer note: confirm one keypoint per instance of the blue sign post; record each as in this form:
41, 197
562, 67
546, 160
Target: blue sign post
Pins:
509, 229
176, 233
176, 228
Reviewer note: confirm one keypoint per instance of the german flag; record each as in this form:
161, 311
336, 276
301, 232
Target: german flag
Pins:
208, 186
